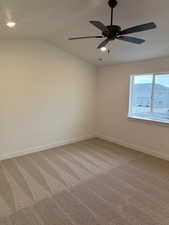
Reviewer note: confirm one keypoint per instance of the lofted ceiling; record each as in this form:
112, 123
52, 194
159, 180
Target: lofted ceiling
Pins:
57, 20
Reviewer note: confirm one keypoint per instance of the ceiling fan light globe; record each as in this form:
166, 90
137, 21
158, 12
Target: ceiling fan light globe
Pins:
103, 49
11, 24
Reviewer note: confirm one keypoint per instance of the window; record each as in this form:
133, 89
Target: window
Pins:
149, 97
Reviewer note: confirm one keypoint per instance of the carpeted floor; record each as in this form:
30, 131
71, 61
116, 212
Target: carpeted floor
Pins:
88, 183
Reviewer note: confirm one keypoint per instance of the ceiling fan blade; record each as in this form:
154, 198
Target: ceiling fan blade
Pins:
133, 40
104, 43
87, 37
100, 26
139, 28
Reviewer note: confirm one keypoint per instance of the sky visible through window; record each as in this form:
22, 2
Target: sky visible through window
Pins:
147, 79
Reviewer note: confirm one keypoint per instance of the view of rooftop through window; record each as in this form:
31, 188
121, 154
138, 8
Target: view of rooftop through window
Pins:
149, 96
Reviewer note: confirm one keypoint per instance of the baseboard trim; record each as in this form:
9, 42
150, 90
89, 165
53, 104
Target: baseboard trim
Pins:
138, 148
114, 140
44, 147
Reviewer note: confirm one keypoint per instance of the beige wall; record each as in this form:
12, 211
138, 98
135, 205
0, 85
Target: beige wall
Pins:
113, 124
47, 97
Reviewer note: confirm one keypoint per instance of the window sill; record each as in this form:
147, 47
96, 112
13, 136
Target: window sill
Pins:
163, 122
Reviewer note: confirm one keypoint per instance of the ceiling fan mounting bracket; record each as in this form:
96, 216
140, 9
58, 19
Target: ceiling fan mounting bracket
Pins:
112, 3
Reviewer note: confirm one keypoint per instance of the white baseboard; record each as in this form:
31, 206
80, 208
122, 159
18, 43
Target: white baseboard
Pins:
114, 140
44, 147
138, 148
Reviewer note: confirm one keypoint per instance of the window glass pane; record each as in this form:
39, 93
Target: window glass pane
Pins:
142, 93
161, 96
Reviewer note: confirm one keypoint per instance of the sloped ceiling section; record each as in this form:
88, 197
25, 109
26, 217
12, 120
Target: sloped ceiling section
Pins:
56, 21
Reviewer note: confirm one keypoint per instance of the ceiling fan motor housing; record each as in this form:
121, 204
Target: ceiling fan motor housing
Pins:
114, 30
112, 3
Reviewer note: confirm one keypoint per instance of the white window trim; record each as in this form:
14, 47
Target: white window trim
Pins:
132, 116
152, 92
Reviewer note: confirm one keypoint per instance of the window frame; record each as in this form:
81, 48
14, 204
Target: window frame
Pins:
130, 99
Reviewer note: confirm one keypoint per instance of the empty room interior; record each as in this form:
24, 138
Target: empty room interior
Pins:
84, 112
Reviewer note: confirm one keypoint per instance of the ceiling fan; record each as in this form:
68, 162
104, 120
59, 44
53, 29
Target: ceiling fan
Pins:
113, 32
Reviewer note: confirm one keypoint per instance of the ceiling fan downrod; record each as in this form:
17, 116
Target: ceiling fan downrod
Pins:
112, 4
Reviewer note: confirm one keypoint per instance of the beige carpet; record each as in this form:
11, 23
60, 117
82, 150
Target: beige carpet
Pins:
88, 183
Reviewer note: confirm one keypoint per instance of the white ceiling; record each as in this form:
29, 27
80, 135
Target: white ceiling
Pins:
56, 20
